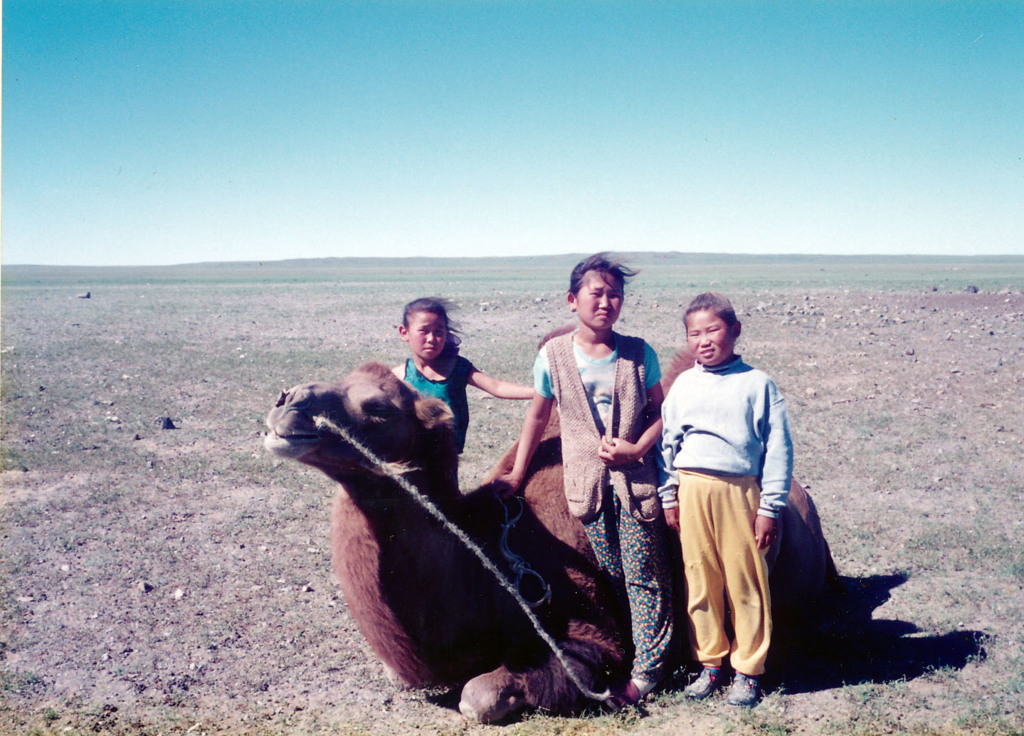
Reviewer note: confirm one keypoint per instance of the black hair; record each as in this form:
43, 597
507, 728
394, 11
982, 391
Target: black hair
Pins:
600, 262
439, 307
717, 304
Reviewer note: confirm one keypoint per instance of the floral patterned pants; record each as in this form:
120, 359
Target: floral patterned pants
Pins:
634, 555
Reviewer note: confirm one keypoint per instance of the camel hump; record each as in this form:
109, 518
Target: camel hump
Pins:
804, 566
683, 361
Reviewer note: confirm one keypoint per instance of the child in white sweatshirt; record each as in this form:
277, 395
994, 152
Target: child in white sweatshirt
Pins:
726, 467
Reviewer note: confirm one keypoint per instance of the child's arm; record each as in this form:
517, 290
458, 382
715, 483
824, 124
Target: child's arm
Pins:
533, 429
777, 466
618, 451
399, 371
668, 484
498, 388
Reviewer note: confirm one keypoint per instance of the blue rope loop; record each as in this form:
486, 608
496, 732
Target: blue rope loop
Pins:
521, 569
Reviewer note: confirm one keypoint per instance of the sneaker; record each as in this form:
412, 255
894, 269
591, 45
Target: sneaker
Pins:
745, 691
709, 680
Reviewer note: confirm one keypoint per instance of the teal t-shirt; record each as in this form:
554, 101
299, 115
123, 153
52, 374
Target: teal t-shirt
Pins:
451, 391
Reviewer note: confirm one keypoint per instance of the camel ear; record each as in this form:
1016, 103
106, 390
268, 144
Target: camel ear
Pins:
434, 413
439, 425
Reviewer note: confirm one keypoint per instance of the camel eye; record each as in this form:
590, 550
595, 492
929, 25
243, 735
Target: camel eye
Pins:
282, 399
379, 410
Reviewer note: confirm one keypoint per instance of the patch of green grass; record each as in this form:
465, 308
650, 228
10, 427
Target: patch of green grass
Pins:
989, 717
961, 547
597, 723
765, 720
1015, 568
1015, 678
11, 460
19, 682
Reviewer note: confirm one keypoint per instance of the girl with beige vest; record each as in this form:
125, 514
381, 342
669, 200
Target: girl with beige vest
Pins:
609, 401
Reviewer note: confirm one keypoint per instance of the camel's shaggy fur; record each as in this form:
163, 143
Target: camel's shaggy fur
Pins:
425, 604
427, 607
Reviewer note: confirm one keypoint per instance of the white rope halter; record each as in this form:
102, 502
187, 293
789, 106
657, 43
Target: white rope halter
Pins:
431, 508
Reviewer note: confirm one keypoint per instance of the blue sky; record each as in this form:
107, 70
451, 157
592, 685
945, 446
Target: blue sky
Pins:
185, 131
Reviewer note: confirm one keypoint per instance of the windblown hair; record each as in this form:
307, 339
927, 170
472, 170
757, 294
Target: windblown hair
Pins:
717, 304
602, 264
439, 307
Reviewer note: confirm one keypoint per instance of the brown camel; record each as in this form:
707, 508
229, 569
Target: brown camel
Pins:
426, 605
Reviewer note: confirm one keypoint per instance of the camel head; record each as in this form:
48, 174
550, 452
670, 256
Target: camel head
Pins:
376, 409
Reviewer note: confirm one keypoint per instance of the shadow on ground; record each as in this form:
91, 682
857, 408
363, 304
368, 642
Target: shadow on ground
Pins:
846, 645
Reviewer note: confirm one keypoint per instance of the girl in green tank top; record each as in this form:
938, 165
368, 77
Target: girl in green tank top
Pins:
436, 369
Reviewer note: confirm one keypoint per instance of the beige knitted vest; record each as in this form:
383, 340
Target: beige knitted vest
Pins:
634, 483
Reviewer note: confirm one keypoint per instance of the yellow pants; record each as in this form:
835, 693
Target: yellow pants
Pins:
723, 565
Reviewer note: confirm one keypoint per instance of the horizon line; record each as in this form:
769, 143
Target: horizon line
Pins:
717, 256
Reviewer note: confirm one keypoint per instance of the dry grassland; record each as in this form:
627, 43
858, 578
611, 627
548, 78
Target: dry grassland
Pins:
177, 581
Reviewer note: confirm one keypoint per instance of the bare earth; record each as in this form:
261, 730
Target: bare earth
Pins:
178, 580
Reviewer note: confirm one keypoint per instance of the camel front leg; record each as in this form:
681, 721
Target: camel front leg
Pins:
490, 697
